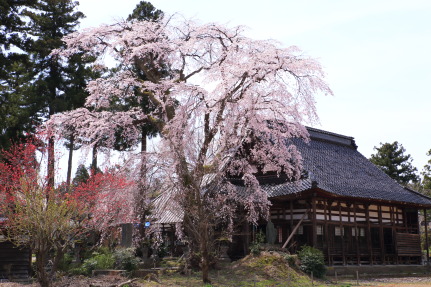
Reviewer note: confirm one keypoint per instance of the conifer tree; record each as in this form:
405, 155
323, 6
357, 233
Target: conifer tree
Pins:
426, 173
17, 112
59, 85
391, 158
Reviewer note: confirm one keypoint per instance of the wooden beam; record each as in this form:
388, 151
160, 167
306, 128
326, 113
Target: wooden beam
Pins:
327, 209
382, 240
291, 216
296, 228
357, 235
426, 236
369, 243
343, 247
313, 221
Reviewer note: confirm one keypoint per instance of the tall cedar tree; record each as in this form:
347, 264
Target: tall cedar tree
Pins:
391, 158
58, 84
426, 173
17, 109
144, 11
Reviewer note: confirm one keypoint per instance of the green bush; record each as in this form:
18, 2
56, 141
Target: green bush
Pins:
97, 261
125, 259
291, 259
257, 243
312, 260
65, 262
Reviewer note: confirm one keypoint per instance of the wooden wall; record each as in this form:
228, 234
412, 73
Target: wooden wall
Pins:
14, 263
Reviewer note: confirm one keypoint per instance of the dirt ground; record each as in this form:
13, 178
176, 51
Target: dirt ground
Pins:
392, 282
111, 281
81, 281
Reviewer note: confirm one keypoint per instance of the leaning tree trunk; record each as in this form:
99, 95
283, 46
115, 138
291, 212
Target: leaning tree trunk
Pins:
94, 160
51, 163
69, 161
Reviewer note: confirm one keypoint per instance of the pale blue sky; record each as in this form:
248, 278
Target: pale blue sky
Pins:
377, 55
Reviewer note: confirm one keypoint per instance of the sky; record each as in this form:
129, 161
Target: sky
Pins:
376, 54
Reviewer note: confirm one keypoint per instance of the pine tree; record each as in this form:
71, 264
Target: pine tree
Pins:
391, 158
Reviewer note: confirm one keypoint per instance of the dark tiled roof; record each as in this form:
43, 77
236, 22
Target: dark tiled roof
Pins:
166, 209
333, 162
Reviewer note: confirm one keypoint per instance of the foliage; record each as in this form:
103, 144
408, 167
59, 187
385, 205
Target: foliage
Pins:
292, 260
227, 101
391, 158
312, 261
81, 176
17, 112
145, 11
38, 217
426, 176
126, 259
98, 261
47, 220
257, 243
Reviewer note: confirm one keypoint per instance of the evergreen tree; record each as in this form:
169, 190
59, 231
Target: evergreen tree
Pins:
426, 173
81, 175
17, 112
59, 84
145, 11
391, 158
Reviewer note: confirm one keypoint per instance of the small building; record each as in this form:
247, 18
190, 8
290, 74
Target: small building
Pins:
347, 207
15, 263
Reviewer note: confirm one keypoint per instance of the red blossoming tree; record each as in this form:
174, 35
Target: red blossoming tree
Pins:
45, 219
219, 106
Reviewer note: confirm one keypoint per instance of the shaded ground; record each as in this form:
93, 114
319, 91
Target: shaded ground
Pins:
268, 269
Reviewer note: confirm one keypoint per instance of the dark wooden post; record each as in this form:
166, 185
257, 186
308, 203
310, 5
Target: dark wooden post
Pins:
313, 222
327, 210
291, 217
426, 237
369, 243
343, 247
394, 233
382, 240
357, 236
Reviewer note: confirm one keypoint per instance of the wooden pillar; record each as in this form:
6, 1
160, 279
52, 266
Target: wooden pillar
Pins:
394, 233
343, 247
426, 237
284, 225
368, 233
358, 255
291, 218
382, 240
313, 221
327, 211
248, 235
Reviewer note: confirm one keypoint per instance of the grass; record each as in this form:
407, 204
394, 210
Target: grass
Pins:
267, 269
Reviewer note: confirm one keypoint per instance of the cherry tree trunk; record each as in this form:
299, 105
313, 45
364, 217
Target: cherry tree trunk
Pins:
204, 249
